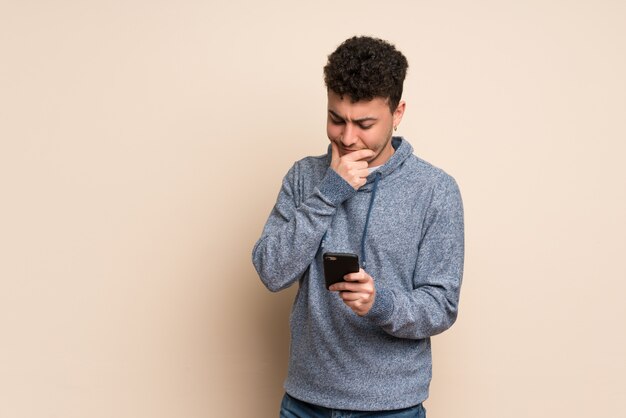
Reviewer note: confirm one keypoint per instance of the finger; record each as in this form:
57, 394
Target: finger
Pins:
358, 165
357, 181
360, 276
357, 308
347, 287
352, 296
359, 155
344, 286
352, 171
334, 160
362, 172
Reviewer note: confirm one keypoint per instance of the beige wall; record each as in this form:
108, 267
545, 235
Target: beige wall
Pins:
142, 147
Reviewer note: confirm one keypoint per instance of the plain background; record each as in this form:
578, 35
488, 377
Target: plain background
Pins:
142, 147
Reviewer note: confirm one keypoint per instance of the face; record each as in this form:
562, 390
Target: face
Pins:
362, 125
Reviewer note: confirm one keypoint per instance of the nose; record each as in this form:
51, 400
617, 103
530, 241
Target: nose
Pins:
349, 135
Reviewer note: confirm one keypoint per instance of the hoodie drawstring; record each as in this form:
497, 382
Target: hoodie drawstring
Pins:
367, 219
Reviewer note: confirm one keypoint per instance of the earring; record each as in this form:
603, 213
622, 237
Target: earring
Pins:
395, 128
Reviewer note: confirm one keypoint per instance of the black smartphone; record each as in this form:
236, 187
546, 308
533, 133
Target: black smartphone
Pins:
337, 265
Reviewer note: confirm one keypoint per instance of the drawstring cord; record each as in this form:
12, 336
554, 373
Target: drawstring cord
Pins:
367, 219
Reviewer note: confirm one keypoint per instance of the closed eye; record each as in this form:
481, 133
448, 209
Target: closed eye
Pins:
363, 123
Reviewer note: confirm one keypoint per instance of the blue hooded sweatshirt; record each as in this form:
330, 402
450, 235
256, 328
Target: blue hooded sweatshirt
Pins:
406, 225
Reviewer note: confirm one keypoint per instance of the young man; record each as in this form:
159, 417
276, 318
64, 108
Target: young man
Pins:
364, 344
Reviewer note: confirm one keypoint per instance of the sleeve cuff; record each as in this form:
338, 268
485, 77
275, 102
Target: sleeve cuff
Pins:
383, 307
334, 188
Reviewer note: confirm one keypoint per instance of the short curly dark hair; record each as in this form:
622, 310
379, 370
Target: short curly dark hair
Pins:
363, 68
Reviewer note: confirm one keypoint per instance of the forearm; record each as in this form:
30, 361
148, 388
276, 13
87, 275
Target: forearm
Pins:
285, 250
418, 314
292, 234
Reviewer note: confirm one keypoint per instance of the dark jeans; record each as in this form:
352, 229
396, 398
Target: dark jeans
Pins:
294, 408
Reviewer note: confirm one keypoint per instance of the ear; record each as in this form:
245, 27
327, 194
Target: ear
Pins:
398, 113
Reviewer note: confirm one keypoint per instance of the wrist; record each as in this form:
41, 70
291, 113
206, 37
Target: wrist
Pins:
335, 188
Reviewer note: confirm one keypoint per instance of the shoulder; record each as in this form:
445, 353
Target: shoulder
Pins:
311, 166
304, 175
428, 174
445, 194
436, 189
313, 161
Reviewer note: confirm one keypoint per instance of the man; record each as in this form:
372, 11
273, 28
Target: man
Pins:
364, 344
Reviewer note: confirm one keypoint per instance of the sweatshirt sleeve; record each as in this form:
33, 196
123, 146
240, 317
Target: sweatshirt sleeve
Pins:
293, 232
431, 307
